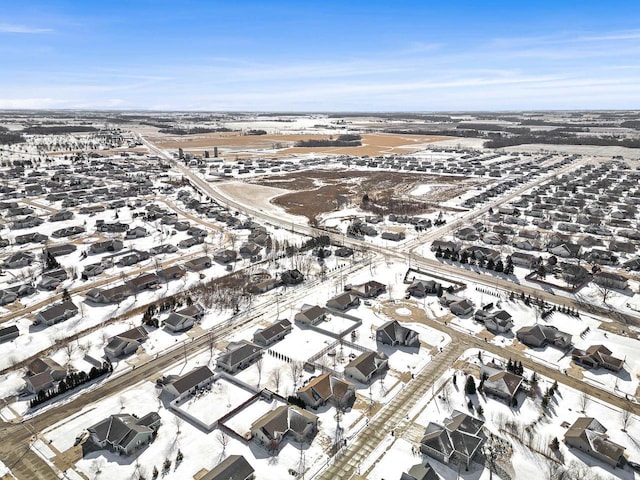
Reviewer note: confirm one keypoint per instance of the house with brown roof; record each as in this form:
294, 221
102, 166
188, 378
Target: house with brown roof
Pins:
310, 315
501, 383
589, 435
327, 388
597, 356
343, 301
369, 289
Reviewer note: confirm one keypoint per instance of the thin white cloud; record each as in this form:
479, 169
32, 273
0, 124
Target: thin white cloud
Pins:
14, 28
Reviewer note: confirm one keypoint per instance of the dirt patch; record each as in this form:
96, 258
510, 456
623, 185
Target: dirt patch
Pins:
320, 191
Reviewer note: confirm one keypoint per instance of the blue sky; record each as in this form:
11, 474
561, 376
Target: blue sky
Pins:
320, 56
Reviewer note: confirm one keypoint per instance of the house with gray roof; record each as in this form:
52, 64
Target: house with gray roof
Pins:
239, 356
286, 420
541, 335
198, 264
43, 374
189, 383
234, 467
459, 439
393, 333
176, 322
9, 333
125, 343
343, 301
366, 366
610, 280
146, 281
124, 433
420, 471
56, 314
18, 260
109, 295
273, 333
111, 245
589, 435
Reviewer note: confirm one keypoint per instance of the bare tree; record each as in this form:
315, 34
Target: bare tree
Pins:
223, 440
178, 423
295, 369
625, 417
259, 366
605, 292
584, 401
276, 377
69, 348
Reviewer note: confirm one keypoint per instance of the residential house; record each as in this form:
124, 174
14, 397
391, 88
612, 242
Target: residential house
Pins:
234, 467
502, 384
344, 252
109, 295
146, 281
394, 236
18, 260
68, 231
541, 335
566, 250
497, 322
112, 245
459, 439
43, 374
116, 227
60, 250
124, 433
136, 232
250, 249
420, 288
9, 333
125, 343
597, 356
164, 248
343, 301
7, 297
326, 388
27, 222
292, 277
225, 256
622, 247
190, 242
483, 253
447, 299
239, 356
445, 245
287, 420
171, 273
461, 307
189, 383
369, 289
195, 310
601, 257
198, 264
56, 314
33, 237
366, 366
93, 270
310, 315
393, 333
574, 274
52, 279
589, 435
468, 234
610, 280
176, 322
420, 471
61, 216
273, 333
132, 258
